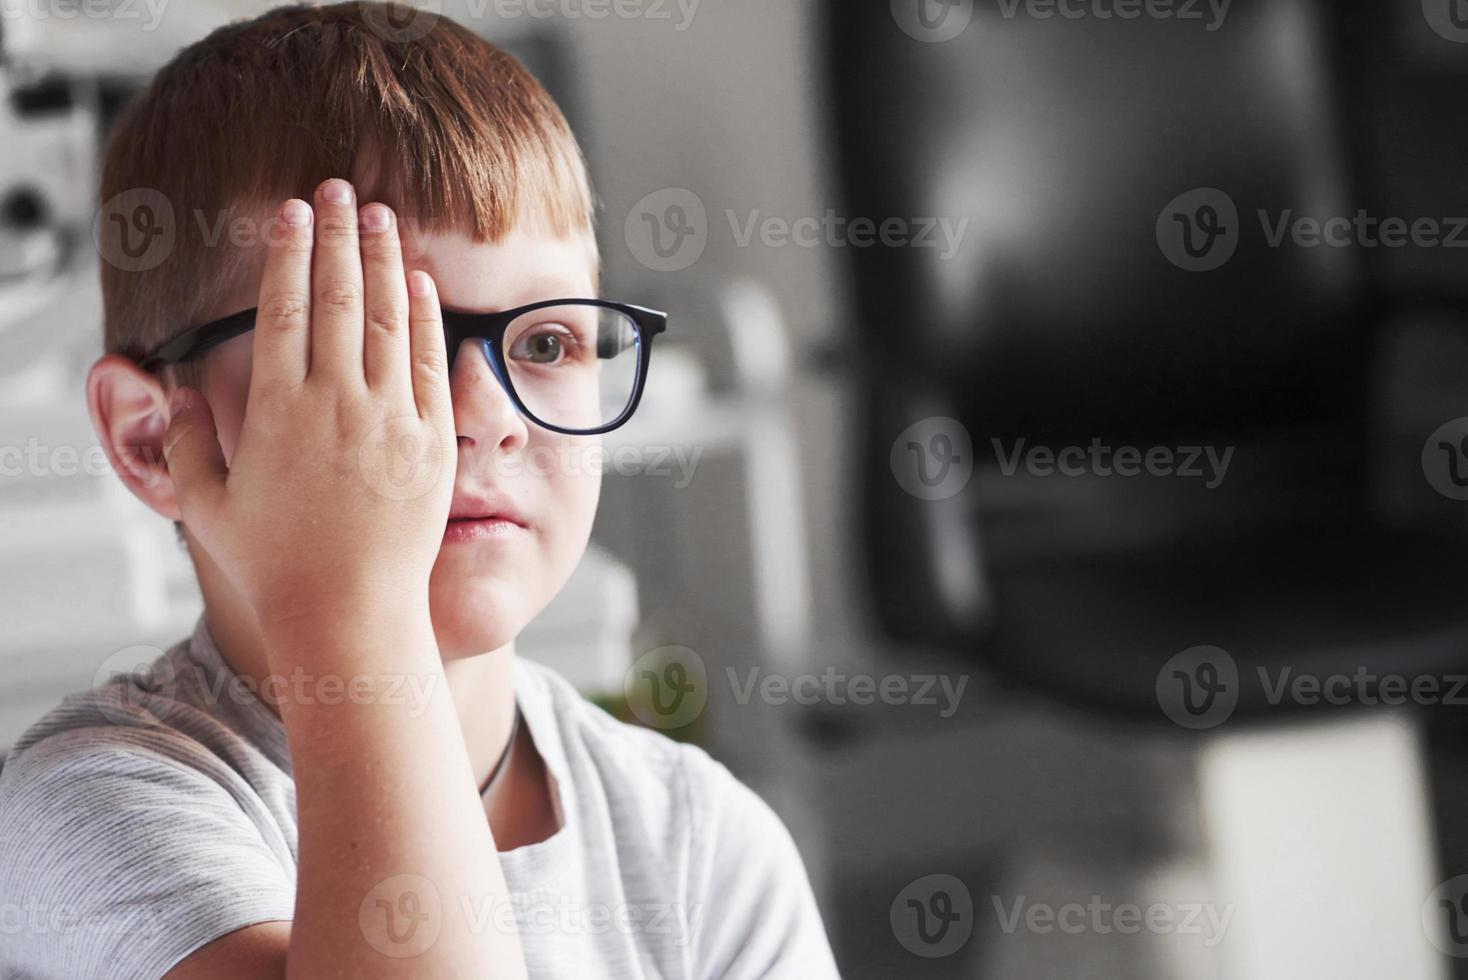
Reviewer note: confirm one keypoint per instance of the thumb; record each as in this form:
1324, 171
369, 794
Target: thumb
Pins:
191, 450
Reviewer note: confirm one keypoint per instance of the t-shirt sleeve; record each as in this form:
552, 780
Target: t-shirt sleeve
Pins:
118, 860
754, 913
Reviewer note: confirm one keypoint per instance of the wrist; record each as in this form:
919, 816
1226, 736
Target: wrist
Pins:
352, 623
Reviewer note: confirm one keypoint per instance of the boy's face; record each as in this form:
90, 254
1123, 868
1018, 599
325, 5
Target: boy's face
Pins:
488, 581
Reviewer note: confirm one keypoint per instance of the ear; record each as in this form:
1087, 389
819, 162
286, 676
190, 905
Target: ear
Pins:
129, 409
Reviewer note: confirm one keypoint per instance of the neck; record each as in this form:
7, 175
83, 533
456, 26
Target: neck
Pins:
482, 686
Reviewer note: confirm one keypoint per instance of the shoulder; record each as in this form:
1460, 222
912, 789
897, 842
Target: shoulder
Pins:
157, 720
144, 760
671, 790
136, 745
683, 825
119, 814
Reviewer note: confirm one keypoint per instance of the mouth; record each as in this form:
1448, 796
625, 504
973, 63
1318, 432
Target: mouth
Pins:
481, 529
483, 520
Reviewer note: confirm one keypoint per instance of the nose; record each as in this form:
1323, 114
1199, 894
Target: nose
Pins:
484, 416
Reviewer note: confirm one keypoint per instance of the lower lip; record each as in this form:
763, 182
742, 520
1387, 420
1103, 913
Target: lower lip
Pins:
484, 529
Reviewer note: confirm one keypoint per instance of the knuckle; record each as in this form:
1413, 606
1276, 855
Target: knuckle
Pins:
336, 229
427, 314
297, 242
339, 295
386, 319
428, 366
381, 244
283, 309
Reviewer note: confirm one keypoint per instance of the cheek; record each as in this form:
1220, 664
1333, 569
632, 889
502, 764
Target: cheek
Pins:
572, 488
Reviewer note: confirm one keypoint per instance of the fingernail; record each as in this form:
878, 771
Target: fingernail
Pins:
296, 212
419, 284
178, 401
376, 217
337, 191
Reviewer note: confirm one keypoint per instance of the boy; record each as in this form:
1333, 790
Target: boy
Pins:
347, 464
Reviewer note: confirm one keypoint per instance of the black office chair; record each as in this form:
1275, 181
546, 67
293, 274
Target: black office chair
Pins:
1068, 316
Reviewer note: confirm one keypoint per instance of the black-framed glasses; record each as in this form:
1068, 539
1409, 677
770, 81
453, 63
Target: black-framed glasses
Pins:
574, 366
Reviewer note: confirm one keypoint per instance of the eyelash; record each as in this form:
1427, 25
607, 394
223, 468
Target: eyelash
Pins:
571, 343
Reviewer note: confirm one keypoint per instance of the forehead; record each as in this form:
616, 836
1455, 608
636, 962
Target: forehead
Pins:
525, 266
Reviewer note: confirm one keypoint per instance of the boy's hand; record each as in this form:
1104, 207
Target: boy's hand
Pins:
338, 493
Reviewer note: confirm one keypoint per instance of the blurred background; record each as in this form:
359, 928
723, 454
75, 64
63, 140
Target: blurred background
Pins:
1053, 478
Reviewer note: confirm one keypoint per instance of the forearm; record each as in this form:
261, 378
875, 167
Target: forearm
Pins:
391, 827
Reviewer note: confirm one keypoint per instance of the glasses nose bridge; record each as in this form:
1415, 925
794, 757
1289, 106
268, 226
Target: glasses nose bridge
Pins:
482, 344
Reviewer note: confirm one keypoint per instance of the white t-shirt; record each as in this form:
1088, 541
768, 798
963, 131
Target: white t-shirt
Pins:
144, 820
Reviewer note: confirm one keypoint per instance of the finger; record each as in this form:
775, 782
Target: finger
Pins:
191, 450
336, 286
282, 343
385, 346
430, 361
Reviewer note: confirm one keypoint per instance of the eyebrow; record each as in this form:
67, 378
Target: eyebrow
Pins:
538, 287
552, 286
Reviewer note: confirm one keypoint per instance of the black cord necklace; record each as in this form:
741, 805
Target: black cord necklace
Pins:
504, 756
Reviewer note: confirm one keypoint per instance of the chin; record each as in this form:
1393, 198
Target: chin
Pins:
478, 617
